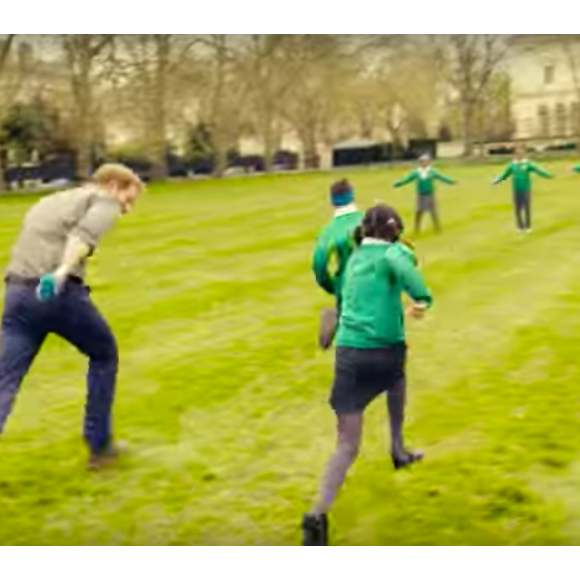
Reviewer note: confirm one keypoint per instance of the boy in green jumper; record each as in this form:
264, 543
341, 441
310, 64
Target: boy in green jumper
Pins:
425, 176
334, 247
371, 351
520, 171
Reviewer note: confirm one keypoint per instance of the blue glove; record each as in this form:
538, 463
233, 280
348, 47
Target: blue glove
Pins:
48, 288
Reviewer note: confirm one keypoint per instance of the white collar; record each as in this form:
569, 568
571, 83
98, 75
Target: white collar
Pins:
346, 210
375, 242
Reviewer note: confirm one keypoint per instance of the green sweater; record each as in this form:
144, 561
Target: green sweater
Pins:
333, 249
425, 179
576, 169
376, 277
520, 172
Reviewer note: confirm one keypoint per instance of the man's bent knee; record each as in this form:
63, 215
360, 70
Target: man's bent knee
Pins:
106, 353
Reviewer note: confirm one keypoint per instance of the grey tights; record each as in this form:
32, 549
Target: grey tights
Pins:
350, 430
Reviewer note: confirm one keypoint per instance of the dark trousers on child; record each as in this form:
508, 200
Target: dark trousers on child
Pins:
523, 210
27, 322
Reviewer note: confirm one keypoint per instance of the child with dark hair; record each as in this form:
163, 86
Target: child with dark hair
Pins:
371, 351
334, 247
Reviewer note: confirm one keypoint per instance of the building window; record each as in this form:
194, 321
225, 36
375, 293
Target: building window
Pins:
549, 74
561, 120
543, 121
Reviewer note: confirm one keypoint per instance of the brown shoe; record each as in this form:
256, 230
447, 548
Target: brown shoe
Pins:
328, 327
106, 458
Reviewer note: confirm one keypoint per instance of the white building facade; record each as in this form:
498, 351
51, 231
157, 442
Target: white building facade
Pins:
545, 83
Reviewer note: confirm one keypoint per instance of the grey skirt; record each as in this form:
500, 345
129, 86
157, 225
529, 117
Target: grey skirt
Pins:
426, 203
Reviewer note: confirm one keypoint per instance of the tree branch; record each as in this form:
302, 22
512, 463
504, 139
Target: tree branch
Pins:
5, 50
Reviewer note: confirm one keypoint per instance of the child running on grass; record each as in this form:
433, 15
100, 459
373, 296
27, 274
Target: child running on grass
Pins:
371, 352
333, 249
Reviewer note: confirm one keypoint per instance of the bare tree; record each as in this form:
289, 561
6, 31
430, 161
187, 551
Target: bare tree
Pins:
82, 54
150, 65
221, 94
6, 46
268, 75
470, 61
315, 102
397, 88
494, 117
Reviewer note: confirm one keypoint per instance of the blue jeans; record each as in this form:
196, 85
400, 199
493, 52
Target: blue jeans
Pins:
26, 323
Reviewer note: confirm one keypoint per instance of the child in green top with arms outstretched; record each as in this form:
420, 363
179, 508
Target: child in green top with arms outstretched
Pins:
425, 177
520, 171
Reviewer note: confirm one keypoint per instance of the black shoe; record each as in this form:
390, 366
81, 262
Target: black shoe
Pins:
106, 457
315, 530
408, 459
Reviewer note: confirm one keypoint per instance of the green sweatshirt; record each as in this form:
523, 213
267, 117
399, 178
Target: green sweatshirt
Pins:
425, 179
520, 172
333, 249
576, 169
376, 277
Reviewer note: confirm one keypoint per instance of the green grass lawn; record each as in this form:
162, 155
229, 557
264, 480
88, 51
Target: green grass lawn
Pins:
223, 394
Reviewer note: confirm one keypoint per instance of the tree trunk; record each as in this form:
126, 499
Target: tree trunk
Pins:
220, 152
158, 133
482, 131
397, 138
366, 126
576, 119
84, 137
269, 146
84, 141
309, 148
220, 131
468, 129
3, 184
158, 139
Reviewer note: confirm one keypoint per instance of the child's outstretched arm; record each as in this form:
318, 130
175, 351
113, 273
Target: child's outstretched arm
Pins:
539, 171
406, 180
505, 175
443, 178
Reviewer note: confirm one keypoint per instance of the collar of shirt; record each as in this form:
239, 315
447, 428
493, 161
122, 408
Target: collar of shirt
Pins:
375, 242
92, 188
103, 193
347, 209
